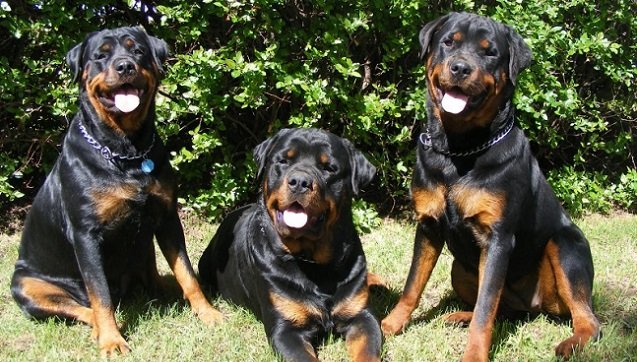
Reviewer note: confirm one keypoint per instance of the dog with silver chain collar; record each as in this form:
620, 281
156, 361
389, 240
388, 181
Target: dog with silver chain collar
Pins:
88, 238
477, 187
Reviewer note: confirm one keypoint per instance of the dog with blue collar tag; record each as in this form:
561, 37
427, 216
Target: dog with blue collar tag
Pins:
88, 238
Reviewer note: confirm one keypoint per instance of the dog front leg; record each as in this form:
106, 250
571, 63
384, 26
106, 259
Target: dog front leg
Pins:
494, 262
105, 329
170, 237
293, 343
427, 249
363, 338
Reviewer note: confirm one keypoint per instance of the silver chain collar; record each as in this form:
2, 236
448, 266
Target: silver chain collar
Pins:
425, 139
106, 152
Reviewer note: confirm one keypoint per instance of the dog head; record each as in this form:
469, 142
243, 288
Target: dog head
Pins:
308, 179
119, 72
472, 66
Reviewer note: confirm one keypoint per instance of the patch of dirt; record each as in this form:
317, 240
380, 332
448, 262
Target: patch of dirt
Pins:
13, 217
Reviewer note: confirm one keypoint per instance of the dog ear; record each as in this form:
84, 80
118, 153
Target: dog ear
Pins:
74, 58
259, 154
363, 171
520, 55
160, 52
263, 149
427, 32
158, 48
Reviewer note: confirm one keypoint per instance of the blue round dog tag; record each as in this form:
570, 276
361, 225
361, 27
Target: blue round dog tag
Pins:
148, 165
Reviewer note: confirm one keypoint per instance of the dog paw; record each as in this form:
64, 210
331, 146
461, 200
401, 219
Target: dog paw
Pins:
113, 345
391, 326
209, 315
461, 318
568, 347
375, 280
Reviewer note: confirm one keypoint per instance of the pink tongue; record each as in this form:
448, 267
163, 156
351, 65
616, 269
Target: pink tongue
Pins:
454, 102
126, 102
294, 219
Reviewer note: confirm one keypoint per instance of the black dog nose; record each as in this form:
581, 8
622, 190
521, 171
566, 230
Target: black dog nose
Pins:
460, 68
125, 67
300, 182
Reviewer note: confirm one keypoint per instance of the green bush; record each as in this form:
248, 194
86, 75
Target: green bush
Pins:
240, 70
581, 191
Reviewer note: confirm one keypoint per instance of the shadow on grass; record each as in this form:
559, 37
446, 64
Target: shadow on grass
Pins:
136, 306
383, 300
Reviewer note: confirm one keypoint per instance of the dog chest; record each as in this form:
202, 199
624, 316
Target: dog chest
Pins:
115, 202
477, 205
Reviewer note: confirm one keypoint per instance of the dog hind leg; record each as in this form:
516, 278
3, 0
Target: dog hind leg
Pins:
567, 270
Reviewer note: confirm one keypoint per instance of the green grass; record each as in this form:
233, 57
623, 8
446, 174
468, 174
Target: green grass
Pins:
165, 330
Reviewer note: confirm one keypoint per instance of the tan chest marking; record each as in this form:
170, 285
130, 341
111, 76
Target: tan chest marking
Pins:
429, 202
113, 202
482, 208
294, 311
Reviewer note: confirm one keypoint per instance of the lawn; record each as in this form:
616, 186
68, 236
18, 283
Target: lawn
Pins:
165, 330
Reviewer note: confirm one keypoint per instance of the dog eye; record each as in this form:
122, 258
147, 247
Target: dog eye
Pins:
491, 52
447, 42
138, 52
329, 168
100, 56
282, 161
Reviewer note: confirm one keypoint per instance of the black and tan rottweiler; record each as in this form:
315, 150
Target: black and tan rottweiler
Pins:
294, 258
477, 187
88, 238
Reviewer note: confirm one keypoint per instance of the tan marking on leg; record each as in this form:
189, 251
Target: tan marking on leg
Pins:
180, 265
464, 283
479, 340
105, 329
294, 311
54, 300
419, 274
481, 265
478, 345
550, 300
585, 324
357, 343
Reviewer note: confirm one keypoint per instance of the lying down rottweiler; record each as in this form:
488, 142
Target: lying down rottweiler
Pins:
294, 258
